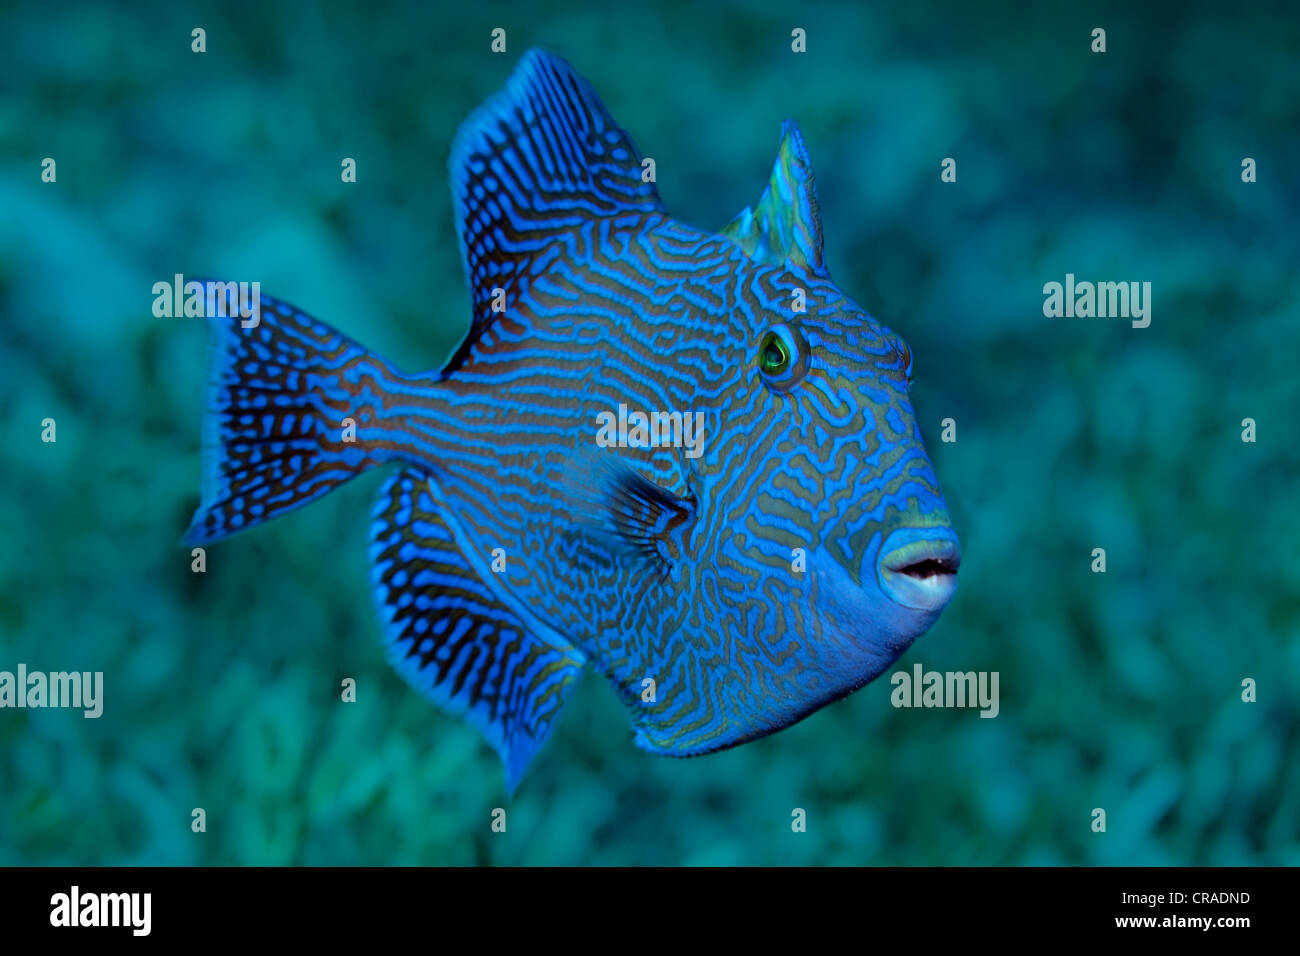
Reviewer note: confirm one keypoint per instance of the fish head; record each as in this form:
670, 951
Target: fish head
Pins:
849, 466
839, 505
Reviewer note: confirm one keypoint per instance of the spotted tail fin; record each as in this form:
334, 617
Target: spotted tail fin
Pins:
274, 429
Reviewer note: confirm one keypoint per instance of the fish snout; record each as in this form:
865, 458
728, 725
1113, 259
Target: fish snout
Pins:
917, 567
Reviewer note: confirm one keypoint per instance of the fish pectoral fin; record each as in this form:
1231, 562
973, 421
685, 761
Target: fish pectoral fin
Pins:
632, 515
645, 514
452, 638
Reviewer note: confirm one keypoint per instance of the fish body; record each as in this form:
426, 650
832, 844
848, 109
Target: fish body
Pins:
772, 548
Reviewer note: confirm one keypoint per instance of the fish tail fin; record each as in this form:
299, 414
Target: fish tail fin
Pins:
280, 427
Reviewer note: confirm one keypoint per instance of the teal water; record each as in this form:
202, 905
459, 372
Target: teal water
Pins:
1120, 691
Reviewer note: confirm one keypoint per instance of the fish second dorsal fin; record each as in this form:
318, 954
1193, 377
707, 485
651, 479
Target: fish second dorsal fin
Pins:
785, 226
527, 168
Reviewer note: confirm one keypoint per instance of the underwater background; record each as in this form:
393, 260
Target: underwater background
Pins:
1119, 690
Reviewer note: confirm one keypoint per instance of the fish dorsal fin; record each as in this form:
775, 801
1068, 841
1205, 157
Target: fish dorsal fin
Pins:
527, 168
785, 226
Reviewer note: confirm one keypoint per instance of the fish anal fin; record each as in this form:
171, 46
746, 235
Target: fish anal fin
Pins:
451, 638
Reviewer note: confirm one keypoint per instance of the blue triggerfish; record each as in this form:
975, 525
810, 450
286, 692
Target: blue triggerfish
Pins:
685, 459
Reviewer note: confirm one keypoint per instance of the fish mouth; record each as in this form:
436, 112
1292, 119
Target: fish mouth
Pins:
921, 573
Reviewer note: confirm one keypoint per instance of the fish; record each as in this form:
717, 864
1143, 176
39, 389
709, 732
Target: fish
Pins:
544, 512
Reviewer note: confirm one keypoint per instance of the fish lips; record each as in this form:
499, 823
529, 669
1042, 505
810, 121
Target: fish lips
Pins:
917, 567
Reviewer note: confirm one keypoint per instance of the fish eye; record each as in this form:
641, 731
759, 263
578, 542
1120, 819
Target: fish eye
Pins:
782, 357
775, 357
